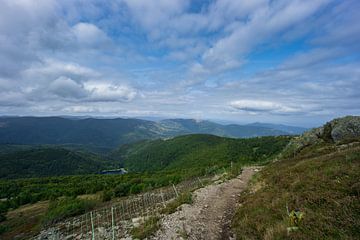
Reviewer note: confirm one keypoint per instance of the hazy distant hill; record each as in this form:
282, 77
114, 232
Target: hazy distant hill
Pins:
110, 133
280, 127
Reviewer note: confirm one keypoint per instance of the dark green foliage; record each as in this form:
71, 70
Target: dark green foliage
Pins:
22, 191
137, 188
106, 195
3, 229
66, 207
122, 189
50, 161
199, 151
2, 217
57, 130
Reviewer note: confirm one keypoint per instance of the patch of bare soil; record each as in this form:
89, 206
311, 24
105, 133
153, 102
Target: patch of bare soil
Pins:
209, 216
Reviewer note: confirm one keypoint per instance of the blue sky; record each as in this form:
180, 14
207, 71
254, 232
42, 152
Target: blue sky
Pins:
281, 61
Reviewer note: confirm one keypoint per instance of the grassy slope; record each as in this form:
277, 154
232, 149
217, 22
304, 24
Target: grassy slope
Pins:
322, 181
49, 161
198, 151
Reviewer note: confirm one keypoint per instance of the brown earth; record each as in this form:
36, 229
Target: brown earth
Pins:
210, 214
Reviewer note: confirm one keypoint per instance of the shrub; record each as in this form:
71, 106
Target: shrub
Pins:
2, 217
122, 190
173, 205
137, 188
67, 207
106, 195
3, 228
146, 229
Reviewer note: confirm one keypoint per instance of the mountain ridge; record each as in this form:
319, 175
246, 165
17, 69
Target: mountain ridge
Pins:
116, 131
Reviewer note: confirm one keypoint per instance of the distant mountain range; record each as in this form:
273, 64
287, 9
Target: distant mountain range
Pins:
110, 133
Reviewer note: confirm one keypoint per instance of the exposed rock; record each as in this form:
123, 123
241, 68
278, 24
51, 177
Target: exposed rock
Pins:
337, 130
345, 128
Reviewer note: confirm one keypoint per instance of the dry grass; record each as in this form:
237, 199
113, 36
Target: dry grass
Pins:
24, 222
321, 181
171, 207
146, 228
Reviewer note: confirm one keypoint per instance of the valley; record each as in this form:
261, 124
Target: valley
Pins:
217, 194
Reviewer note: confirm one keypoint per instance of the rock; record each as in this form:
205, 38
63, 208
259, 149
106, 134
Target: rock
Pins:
345, 128
335, 131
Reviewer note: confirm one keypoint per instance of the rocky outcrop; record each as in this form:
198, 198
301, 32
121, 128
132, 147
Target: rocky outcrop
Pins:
336, 131
345, 128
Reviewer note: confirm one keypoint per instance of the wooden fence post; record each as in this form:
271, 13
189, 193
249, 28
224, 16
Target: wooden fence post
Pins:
112, 223
176, 192
92, 226
162, 198
201, 182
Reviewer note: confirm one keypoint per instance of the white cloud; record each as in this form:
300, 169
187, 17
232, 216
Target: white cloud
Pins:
51, 69
263, 106
229, 52
105, 92
89, 35
67, 88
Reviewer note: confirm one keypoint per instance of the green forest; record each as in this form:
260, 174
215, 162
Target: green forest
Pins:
151, 164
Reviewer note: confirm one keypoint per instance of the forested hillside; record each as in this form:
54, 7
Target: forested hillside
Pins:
26, 161
197, 151
99, 134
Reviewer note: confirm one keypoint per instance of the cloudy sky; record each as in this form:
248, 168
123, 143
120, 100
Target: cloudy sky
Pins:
281, 61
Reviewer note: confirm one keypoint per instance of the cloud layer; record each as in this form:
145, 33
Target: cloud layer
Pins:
291, 61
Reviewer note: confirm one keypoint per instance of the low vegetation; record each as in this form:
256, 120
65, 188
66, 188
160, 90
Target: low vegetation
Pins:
173, 161
321, 182
171, 207
146, 228
62, 208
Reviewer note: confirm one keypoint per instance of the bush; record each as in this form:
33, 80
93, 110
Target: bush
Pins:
2, 217
146, 229
122, 190
173, 205
3, 228
67, 207
106, 195
137, 188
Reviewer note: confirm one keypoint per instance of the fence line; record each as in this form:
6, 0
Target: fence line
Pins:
112, 222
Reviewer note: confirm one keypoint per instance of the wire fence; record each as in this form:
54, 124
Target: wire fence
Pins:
115, 221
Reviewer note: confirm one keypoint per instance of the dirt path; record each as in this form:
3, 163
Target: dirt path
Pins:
209, 217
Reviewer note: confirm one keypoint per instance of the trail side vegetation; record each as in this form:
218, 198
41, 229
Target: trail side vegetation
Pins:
152, 164
321, 184
184, 198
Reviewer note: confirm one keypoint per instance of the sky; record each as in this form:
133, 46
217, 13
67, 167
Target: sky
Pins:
279, 61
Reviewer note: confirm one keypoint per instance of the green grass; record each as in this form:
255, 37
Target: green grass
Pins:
66, 207
171, 207
146, 229
320, 181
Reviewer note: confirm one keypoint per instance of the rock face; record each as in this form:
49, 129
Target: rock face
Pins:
345, 128
335, 131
